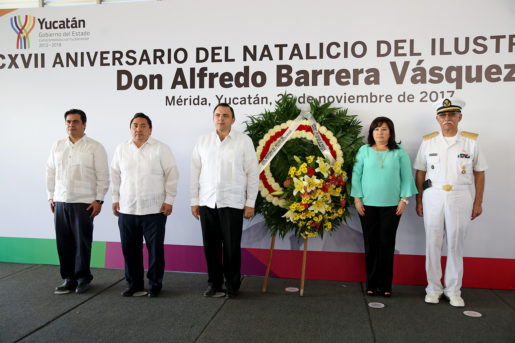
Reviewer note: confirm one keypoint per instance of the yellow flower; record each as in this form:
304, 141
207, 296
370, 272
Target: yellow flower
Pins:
323, 167
310, 159
311, 182
288, 215
335, 191
292, 171
328, 226
318, 206
298, 186
303, 168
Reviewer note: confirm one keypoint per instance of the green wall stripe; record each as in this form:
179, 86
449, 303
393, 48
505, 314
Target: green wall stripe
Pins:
98, 254
42, 251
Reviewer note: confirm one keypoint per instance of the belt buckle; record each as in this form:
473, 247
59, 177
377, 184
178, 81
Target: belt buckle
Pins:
447, 188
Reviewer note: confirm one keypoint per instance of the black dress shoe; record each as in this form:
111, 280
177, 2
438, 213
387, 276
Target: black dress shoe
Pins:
154, 292
82, 287
210, 291
232, 293
66, 287
132, 292
386, 294
213, 292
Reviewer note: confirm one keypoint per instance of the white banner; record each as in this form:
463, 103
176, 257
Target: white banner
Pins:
174, 60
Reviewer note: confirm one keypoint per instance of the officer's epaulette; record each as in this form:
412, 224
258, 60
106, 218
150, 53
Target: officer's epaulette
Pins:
431, 135
470, 135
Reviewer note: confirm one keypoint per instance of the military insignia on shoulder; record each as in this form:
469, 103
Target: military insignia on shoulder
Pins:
469, 135
431, 135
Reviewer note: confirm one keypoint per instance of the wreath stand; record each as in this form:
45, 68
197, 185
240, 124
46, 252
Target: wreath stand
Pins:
303, 274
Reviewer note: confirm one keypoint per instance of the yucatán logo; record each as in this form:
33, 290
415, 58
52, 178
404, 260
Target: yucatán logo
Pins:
22, 28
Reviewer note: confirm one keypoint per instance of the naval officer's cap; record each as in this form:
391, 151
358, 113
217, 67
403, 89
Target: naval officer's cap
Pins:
448, 105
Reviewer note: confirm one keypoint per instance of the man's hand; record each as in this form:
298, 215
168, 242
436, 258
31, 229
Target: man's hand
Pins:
420, 210
52, 205
166, 209
195, 211
95, 208
477, 209
116, 208
479, 184
248, 212
359, 206
420, 178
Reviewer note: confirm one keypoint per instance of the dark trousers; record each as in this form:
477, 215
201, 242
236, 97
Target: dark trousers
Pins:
379, 226
132, 230
221, 233
74, 234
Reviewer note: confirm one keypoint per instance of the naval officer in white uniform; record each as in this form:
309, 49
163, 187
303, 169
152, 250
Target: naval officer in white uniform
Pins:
450, 180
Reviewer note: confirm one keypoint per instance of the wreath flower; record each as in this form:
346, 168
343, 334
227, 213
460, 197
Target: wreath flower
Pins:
314, 197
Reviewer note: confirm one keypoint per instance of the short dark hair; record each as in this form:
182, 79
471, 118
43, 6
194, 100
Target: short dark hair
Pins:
379, 122
141, 115
223, 104
83, 117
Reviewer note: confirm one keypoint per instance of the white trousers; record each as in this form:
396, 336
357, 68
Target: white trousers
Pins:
446, 214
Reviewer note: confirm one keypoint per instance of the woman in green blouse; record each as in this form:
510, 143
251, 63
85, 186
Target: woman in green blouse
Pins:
382, 182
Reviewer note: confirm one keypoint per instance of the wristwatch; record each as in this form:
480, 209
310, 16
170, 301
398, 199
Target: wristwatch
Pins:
405, 201
100, 201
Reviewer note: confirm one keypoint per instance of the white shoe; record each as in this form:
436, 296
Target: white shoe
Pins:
432, 298
456, 301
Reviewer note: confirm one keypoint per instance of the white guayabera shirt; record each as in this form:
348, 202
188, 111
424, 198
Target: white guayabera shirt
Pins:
143, 178
77, 173
224, 173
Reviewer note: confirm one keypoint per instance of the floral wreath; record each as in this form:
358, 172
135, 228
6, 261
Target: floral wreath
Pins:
269, 188
341, 134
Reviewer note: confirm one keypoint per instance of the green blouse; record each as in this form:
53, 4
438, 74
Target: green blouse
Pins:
382, 186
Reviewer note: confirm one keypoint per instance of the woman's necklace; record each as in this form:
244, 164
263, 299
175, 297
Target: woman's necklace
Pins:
381, 160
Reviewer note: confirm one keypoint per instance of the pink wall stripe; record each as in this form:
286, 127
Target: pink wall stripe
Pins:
323, 265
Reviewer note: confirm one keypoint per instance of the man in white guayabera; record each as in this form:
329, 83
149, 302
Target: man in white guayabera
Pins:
223, 189
144, 179
77, 179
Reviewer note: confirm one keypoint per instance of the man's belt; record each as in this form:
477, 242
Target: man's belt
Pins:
449, 188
